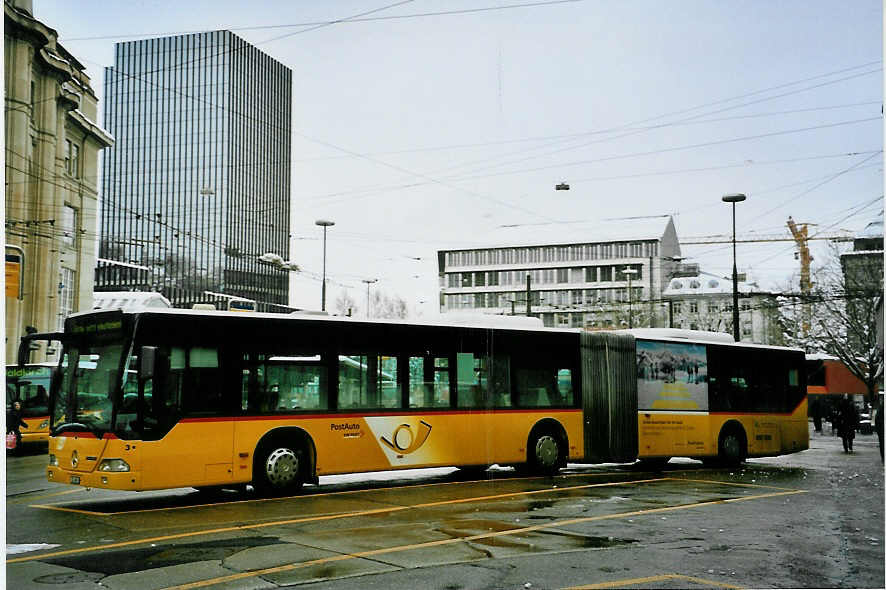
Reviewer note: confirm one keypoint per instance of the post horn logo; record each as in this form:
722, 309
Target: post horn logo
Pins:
405, 441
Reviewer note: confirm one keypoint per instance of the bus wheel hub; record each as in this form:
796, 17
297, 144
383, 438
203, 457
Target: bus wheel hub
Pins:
546, 451
281, 467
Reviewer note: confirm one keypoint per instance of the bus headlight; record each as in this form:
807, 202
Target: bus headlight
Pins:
113, 465
53, 461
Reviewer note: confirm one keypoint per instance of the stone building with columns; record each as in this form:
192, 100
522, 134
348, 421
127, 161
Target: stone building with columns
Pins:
51, 156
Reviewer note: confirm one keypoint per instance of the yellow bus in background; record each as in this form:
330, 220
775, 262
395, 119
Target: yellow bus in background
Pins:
29, 384
176, 398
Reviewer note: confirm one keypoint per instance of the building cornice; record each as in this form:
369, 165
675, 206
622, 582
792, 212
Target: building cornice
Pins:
55, 58
93, 131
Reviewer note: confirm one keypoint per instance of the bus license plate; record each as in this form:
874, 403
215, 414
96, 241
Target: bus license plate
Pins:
75, 479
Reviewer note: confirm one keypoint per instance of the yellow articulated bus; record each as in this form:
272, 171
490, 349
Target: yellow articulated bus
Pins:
177, 398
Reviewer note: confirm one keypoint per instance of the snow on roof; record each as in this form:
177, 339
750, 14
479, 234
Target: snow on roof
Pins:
873, 230
129, 300
588, 232
707, 284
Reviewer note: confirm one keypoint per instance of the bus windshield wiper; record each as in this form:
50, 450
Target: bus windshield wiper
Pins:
70, 427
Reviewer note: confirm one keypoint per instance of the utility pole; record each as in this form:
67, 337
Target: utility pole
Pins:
528, 294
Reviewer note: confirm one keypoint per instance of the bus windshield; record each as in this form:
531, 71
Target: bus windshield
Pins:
91, 378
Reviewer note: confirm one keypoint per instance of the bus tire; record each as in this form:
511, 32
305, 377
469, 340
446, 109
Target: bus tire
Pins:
546, 453
280, 468
732, 446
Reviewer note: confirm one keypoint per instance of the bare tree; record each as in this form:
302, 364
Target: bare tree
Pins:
839, 316
382, 305
346, 305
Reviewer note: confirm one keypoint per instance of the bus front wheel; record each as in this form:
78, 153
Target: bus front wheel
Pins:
279, 469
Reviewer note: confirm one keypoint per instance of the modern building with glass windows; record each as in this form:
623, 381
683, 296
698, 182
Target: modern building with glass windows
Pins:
197, 186
577, 280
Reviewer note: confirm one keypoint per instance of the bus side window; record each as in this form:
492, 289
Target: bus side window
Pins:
428, 382
471, 372
500, 381
564, 387
537, 388
203, 389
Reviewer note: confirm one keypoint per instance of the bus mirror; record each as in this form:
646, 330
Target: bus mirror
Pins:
147, 362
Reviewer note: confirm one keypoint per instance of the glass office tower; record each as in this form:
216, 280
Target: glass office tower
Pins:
197, 185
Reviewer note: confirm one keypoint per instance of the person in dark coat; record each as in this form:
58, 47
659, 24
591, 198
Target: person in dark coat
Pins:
847, 422
14, 422
878, 427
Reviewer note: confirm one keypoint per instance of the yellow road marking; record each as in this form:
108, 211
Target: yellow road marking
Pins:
65, 508
320, 518
650, 579
523, 530
734, 483
32, 498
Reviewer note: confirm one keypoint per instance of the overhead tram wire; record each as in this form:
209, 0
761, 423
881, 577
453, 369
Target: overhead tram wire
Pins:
628, 126
348, 20
653, 118
655, 152
820, 184
574, 135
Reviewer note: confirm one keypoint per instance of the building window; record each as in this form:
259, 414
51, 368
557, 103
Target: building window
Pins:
605, 273
693, 307
678, 307
479, 279
465, 279
72, 158
745, 305
69, 226
67, 288
562, 275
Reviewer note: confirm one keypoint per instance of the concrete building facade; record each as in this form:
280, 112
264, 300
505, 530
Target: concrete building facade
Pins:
703, 301
197, 187
52, 146
579, 282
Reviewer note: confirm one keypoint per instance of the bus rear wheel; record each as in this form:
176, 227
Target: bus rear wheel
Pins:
731, 449
279, 469
545, 452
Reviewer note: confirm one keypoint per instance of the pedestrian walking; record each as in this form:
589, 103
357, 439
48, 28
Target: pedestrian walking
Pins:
14, 422
847, 422
878, 427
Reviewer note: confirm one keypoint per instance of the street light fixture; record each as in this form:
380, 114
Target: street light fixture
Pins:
630, 272
368, 282
734, 198
324, 223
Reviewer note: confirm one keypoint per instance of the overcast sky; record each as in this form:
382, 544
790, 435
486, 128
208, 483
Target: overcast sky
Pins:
427, 124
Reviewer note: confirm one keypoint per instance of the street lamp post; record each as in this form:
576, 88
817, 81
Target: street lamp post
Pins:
324, 223
630, 272
368, 282
734, 198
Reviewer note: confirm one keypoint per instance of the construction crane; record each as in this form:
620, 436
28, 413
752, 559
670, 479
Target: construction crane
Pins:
801, 236
841, 236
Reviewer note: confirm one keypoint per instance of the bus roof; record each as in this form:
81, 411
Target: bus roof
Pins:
481, 321
457, 320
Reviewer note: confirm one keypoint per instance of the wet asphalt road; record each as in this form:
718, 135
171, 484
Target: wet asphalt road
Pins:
810, 520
